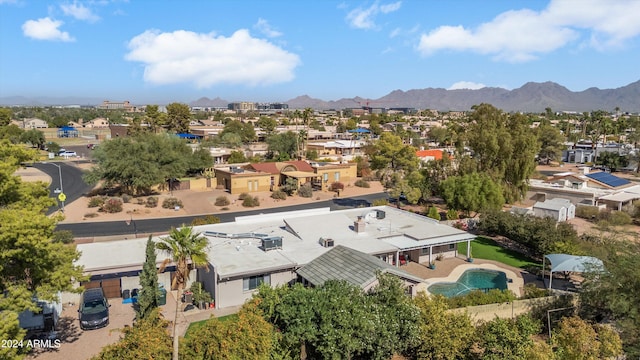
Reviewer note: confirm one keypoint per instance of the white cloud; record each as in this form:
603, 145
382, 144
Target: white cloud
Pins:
79, 12
360, 18
206, 59
466, 85
263, 26
45, 29
523, 35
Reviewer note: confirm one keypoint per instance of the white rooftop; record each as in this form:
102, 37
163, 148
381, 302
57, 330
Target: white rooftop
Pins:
235, 248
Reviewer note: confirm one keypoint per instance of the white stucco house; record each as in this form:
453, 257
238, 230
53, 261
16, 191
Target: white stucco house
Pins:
558, 209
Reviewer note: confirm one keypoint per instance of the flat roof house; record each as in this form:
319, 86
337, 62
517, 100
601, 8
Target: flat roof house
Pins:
274, 248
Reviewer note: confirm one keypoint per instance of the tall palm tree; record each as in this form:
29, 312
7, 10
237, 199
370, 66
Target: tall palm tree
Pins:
306, 115
187, 250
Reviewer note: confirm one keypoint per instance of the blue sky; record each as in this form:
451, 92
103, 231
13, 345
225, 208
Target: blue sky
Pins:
163, 51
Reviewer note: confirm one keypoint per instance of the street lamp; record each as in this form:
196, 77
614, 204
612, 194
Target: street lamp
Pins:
61, 196
135, 228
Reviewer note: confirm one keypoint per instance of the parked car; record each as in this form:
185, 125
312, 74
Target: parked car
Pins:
94, 309
67, 153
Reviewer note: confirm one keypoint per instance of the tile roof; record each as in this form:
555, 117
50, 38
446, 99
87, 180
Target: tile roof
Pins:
343, 263
436, 154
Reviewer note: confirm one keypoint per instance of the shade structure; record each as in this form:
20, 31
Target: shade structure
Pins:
573, 263
359, 131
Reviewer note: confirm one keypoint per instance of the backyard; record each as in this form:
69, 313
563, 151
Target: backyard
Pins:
488, 249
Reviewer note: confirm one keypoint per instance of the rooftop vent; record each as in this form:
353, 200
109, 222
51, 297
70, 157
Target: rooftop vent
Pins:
380, 214
271, 243
325, 242
359, 225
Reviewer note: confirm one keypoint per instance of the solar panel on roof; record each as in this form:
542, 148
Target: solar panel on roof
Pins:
608, 179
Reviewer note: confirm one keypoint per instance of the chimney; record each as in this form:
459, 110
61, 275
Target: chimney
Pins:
359, 225
586, 170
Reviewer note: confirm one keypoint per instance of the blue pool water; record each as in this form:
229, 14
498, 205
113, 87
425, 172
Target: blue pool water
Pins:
471, 280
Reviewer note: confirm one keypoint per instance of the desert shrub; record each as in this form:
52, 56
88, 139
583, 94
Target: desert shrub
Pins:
126, 198
587, 212
250, 201
96, 201
152, 202
243, 196
209, 219
170, 203
337, 186
452, 214
619, 218
63, 236
224, 208
531, 291
433, 213
305, 191
90, 215
222, 201
141, 201
478, 297
279, 195
113, 205
380, 202
362, 183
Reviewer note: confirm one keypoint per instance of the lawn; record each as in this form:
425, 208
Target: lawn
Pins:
194, 325
485, 248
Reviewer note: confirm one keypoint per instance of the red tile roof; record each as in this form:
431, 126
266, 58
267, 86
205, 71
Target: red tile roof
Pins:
436, 154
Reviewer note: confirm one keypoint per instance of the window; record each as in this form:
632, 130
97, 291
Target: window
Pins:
252, 282
325, 177
336, 176
249, 183
424, 251
452, 246
255, 185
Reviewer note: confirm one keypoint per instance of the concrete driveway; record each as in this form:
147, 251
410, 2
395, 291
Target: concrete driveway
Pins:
77, 344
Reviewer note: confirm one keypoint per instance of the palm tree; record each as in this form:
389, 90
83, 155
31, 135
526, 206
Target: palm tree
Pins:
306, 115
187, 250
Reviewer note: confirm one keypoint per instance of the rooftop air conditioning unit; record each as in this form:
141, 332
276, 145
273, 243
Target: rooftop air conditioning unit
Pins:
325, 242
380, 214
271, 243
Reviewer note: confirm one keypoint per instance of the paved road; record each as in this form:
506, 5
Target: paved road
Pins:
72, 183
162, 225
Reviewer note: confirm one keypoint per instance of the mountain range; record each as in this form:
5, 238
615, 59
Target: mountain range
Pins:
531, 97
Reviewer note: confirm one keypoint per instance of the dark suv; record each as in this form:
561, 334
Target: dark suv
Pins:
94, 309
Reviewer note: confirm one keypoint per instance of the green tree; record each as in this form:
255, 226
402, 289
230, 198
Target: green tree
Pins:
147, 339
5, 116
442, 335
503, 146
611, 294
576, 339
154, 118
11, 132
138, 163
472, 193
149, 297
507, 338
267, 124
34, 137
390, 153
187, 250
433, 213
551, 142
249, 336
178, 117
612, 160
283, 144
31, 262
236, 157
246, 131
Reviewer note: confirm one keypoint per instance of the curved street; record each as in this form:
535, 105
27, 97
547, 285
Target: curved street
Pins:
72, 184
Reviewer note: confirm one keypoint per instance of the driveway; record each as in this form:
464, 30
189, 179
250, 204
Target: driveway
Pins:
77, 344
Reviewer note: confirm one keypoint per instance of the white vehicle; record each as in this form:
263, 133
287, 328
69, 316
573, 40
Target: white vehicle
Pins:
67, 154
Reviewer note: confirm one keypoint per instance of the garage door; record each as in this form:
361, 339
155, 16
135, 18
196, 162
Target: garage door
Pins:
111, 288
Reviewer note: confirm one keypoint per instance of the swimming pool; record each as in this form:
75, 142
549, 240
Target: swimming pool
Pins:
472, 279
